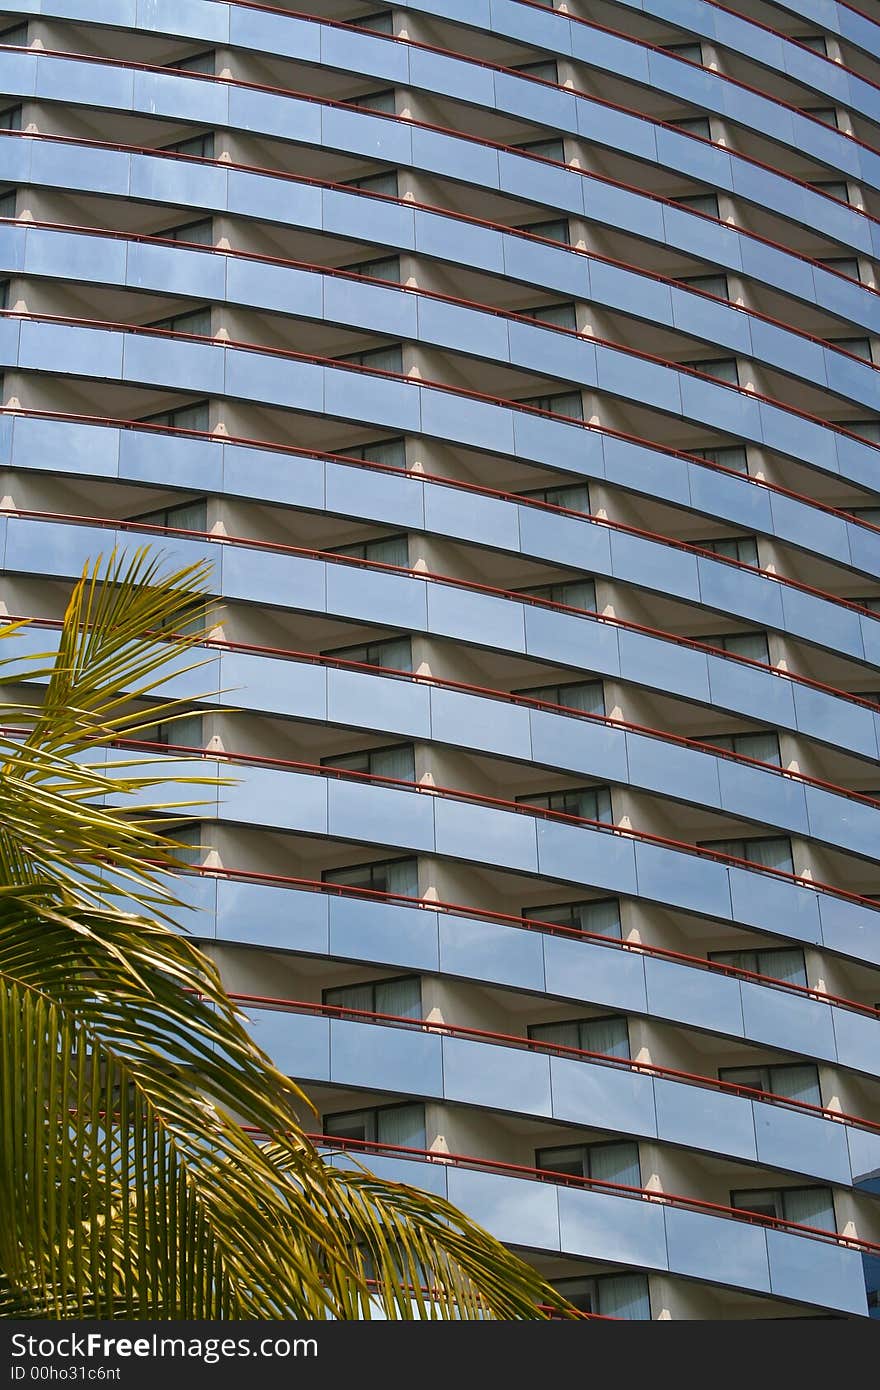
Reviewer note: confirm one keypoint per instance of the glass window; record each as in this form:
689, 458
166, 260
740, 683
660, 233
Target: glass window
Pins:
588, 803
381, 23
778, 963
384, 184
10, 119
694, 125
397, 761
609, 1295
608, 1035
186, 732
871, 602
706, 203
815, 42
857, 347
715, 285
869, 514
763, 747
556, 315
384, 876
749, 644
185, 516
196, 322
692, 52
197, 146
16, 37
383, 359
199, 62
395, 653
721, 368
798, 1081
400, 1125
741, 548
386, 550
574, 497
384, 101
543, 149
383, 268
826, 114
555, 230
808, 1206
832, 188
588, 697
201, 233
730, 456
574, 593
617, 1162
188, 836
601, 917
8, 201
401, 996
568, 403
545, 71
4, 294
391, 453
865, 429
184, 417
844, 265
770, 852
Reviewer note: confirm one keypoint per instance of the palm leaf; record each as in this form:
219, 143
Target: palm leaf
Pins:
130, 1092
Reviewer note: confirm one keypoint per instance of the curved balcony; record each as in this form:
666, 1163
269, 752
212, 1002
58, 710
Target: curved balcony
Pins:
257, 194
264, 30
444, 607
527, 1211
461, 1067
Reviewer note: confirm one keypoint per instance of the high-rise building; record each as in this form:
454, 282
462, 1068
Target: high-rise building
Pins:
517, 370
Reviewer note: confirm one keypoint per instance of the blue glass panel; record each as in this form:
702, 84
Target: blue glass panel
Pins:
482, 834
385, 1058
490, 951
578, 744
289, 800
708, 1247
474, 722
621, 1229
801, 1143
858, 1041
471, 617
596, 974
498, 1078
383, 933
705, 1119
258, 914
787, 1022
604, 1097
816, 1272
699, 997
522, 1213
577, 854
399, 706
383, 815
298, 1044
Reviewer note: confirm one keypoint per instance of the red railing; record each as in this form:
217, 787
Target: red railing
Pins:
587, 23
527, 702
615, 1189
290, 354
451, 1030
315, 100
532, 924
394, 286
466, 218
519, 807
511, 595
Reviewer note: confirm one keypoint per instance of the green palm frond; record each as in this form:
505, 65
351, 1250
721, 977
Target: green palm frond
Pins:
151, 1160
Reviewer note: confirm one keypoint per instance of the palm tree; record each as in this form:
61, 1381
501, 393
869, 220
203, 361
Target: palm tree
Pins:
152, 1164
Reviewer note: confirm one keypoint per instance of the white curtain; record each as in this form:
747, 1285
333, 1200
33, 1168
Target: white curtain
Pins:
624, 1296
404, 1125
400, 997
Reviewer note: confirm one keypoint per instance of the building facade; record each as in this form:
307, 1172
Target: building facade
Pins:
516, 369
